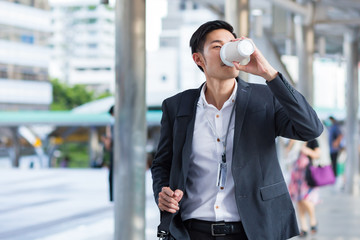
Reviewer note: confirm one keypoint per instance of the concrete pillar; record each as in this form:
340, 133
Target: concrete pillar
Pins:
352, 105
321, 45
289, 42
15, 151
305, 47
258, 28
130, 124
237, 14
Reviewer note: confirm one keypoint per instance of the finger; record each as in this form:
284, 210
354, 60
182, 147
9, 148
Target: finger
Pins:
168, 207
168, 201
238, 66
178, 195
165, 208
171, 205
167, 191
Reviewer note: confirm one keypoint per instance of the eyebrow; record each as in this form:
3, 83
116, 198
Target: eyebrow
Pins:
216, 41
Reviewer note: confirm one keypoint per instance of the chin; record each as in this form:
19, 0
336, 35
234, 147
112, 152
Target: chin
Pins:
235, 73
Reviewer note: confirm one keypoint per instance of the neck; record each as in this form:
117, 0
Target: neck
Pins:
218, 92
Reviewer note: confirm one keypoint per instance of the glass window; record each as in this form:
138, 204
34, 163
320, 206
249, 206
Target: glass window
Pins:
92, 45
27, 39
92, 20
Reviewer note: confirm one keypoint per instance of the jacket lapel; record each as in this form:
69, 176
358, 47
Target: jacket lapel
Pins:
242, 99
186, 114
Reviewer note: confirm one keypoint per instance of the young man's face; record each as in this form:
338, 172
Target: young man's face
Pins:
210, 59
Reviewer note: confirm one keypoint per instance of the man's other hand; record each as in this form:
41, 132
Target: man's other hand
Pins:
169, 200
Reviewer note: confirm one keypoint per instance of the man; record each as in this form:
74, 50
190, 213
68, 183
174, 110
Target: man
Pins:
216, 174
335, 137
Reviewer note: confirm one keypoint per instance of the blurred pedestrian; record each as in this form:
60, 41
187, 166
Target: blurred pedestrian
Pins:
335, 138
108, 140
305, 196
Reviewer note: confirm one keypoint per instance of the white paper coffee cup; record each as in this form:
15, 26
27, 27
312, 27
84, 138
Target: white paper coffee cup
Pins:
238, 51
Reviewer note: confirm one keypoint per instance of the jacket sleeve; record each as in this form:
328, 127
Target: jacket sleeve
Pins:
294, 117
161, 164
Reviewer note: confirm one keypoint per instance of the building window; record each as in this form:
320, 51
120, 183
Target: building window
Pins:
92, 45
182, 5
27, 39
92, 20
3, 74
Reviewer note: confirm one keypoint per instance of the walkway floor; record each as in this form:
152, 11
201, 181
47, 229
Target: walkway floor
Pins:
338, 216
63, 204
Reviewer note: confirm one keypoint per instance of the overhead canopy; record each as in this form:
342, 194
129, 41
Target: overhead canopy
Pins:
65, 118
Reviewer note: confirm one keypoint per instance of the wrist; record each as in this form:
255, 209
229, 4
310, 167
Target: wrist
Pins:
271, 75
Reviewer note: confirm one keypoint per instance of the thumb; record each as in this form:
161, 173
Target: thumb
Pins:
178, 195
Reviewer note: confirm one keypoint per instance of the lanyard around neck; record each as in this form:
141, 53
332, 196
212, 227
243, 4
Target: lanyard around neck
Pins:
223, 156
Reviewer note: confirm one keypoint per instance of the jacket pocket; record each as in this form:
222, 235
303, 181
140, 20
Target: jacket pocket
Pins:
273, 191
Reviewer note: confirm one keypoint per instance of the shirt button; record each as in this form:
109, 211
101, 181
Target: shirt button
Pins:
218, 139
233, 100
217, 115
217, 207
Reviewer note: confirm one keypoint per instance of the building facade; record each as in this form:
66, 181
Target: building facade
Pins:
171, 69
24, 55
83, 44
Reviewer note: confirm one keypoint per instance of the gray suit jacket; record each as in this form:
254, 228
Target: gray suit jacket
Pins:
262, 113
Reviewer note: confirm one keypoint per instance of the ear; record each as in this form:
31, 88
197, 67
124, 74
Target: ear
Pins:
198, 59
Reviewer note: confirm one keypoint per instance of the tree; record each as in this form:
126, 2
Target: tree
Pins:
66, 97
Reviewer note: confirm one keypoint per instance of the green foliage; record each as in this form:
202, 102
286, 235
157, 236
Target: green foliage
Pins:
108, 7
66, 97
103, 95
77, 154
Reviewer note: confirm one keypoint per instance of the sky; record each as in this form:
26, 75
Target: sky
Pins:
155, 10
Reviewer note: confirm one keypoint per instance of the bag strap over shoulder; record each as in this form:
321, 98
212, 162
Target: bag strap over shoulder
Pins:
163, 228
185, 105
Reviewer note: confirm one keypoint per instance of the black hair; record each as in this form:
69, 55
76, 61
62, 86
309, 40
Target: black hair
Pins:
198, 38
111, 110
332, 119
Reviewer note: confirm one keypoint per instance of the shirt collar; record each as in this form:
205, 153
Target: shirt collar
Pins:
230, 101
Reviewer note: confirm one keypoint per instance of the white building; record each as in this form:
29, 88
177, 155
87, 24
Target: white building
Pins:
171, 68
83, 44
24, 55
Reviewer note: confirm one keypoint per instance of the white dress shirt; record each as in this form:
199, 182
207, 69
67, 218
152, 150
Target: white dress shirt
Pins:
203, 199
